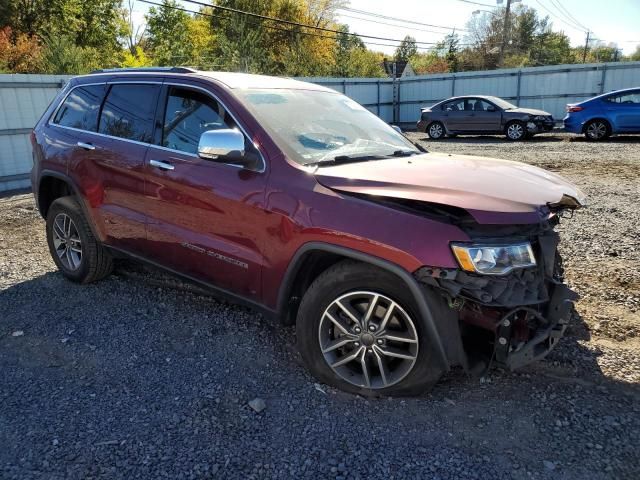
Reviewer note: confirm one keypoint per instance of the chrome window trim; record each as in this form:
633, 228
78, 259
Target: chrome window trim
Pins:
171, 83
244, 132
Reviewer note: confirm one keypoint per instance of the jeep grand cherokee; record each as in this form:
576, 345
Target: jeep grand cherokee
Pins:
395, 264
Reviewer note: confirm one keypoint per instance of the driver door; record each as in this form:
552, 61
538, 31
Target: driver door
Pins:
205, 219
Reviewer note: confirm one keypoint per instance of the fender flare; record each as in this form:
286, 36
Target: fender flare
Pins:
76, 191
412, 284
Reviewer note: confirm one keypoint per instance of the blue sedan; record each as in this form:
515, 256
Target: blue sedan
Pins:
604, 115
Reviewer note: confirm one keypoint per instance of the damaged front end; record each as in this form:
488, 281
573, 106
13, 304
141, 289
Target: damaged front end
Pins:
511, 318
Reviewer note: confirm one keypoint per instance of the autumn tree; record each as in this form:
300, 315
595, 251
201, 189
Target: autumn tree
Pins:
19, 53
407, 49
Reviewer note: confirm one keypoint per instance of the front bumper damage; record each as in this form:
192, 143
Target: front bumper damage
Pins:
509, 320
540, 126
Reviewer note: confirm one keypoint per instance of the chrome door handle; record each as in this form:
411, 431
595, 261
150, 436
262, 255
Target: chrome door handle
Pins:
161, 165
86, 146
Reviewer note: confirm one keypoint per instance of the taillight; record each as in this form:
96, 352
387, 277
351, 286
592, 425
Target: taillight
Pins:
574, 108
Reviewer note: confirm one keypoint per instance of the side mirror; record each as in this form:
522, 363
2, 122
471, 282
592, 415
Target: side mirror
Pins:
225, 145
397, 129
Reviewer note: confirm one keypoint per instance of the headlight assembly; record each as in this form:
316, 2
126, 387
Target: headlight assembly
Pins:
493, 259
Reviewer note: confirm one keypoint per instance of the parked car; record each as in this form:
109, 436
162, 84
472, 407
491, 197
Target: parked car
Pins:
600, 117
478, 114
395, 264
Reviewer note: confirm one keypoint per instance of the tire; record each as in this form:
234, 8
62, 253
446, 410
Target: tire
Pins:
436, 130
317, 335
515, 131
597, 130
74, 249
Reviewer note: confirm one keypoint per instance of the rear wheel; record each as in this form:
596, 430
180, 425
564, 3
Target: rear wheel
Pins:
358, 329
597, 130
436, 130
74, 249
516, 131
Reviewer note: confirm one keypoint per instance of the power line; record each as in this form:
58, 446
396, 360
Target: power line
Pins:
390, 24
571, 25
331, 37
561, 8
404, 20
297, 24
477, 3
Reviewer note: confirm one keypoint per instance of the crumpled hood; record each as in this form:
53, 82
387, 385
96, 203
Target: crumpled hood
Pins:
491, 190
530, 111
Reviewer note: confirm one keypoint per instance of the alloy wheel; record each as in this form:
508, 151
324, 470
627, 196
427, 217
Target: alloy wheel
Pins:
596, 130
436, 131
368, 339
515, 131
66, 241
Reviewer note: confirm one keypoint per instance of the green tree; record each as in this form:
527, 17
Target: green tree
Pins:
407, 49
635, 56
263, 46
530, 40
168, 34
62, 56
93, 24
174, 37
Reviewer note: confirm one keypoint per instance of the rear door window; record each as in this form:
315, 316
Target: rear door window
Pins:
631, 98
81, 108
455, 106
129, 111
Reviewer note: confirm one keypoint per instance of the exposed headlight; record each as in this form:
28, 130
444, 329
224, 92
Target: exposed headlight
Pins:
540, 118
493, 259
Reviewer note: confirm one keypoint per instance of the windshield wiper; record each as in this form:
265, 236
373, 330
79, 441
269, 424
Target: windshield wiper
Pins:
404, 153
346, 159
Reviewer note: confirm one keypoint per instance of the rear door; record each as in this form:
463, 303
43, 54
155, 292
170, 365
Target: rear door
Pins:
126, 119
205, 219
105, 128
454, 114
624, 111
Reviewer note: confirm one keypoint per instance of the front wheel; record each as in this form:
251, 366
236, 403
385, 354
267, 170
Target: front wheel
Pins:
358, 329
597, 130
516, 131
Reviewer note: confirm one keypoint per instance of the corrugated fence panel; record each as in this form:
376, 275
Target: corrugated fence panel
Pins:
559, 83
616, 78
23, 98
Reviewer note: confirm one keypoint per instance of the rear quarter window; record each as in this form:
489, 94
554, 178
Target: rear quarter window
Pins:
129, 111
80, 108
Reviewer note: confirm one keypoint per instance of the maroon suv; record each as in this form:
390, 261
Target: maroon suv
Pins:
395, 264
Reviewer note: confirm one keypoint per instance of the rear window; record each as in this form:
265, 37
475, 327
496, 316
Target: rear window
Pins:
81, 107
129, 110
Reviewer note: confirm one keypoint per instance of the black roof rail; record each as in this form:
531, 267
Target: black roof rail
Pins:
147, 69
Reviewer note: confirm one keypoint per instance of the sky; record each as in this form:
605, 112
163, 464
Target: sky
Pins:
616, 21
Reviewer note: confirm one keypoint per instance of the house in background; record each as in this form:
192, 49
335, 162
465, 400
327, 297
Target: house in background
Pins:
397, 68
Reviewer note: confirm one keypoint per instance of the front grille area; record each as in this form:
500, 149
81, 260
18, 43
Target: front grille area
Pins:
519, 287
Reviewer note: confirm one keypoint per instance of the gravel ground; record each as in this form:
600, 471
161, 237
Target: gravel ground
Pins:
143, 376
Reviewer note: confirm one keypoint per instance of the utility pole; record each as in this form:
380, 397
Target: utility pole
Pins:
504, 32
586, 47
